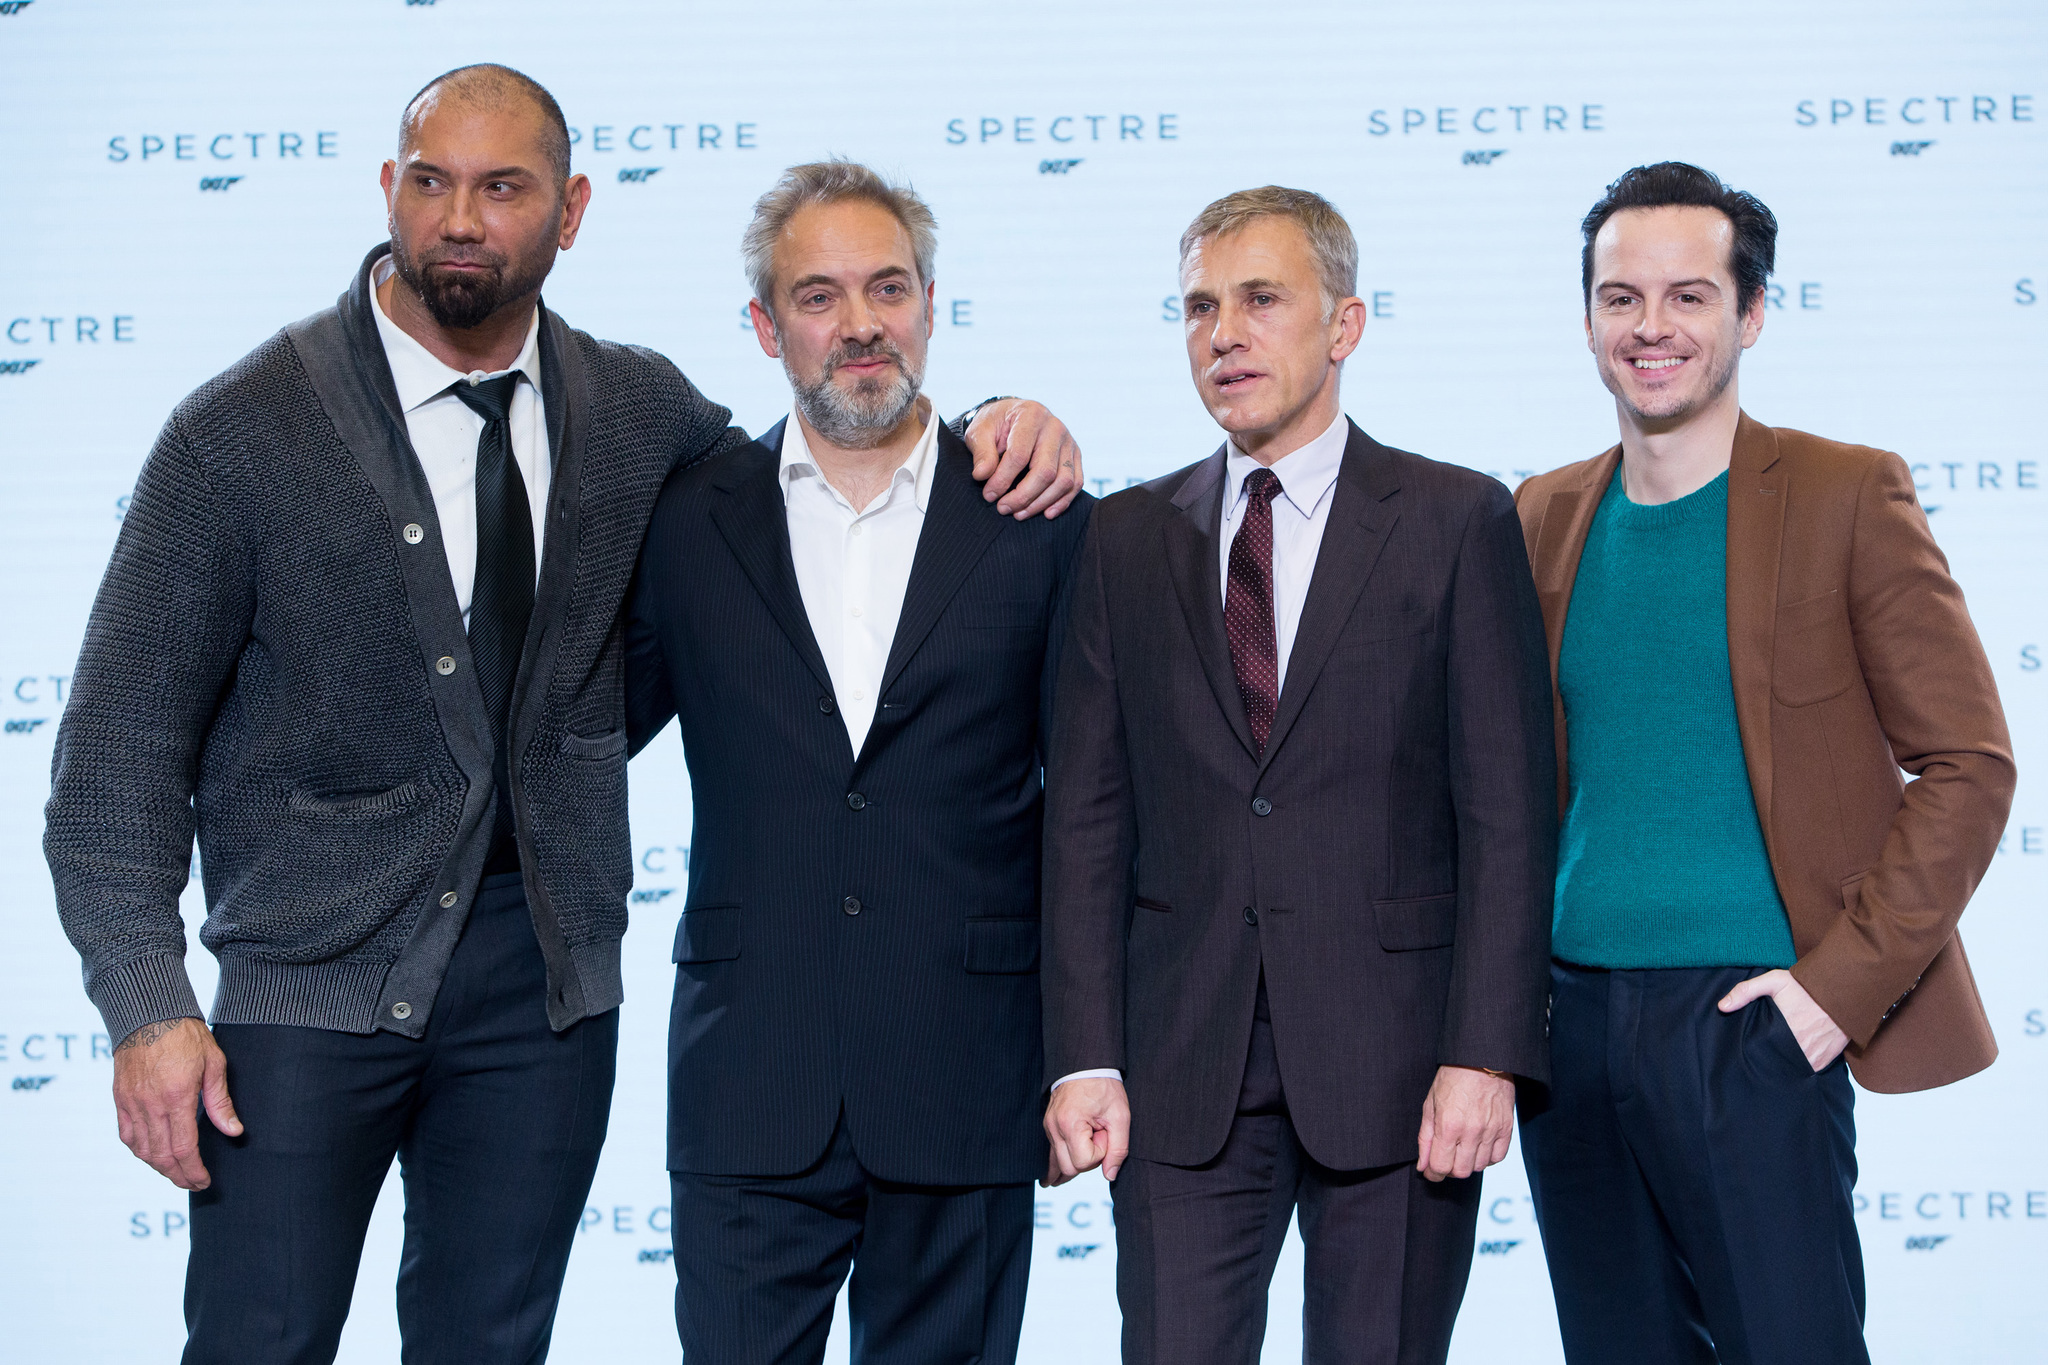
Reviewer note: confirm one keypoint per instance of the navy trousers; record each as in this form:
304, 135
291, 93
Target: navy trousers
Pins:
496, 1121
939, 1272
1692, 1177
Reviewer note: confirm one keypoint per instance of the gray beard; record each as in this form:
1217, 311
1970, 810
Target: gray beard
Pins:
865, 417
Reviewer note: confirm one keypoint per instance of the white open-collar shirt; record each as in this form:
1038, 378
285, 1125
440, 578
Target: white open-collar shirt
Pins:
444, 433
853, 567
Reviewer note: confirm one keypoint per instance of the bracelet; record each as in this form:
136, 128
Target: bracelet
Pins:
967, 417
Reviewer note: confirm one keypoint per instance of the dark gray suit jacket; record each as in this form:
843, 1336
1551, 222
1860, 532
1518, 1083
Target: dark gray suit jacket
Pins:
1386, 862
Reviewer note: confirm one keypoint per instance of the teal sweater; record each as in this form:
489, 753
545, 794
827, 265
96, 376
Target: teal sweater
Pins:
1661, 861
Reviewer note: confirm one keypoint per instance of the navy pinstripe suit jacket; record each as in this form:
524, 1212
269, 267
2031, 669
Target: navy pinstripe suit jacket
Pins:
861, 932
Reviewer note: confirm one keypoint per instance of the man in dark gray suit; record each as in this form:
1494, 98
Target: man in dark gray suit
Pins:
360, 635
1299, 837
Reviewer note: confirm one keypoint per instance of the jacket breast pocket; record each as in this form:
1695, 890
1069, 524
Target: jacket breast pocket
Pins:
1416, 922
709, 933
1378, 627
1008, 613
997, 947
1813, 653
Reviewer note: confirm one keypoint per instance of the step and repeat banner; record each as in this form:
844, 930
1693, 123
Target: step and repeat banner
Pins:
183, 179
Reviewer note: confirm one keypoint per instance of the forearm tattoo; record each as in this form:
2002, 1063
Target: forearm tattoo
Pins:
147, 1034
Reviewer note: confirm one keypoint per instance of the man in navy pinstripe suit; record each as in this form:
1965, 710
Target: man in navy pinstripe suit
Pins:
859, 647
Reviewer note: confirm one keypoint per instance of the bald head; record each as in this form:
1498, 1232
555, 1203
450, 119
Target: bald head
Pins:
490, 89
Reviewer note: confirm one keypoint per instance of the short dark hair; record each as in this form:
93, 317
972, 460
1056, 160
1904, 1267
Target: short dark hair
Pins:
1755, 249
492, 86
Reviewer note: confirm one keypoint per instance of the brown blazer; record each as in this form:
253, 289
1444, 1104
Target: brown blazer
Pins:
1852, 657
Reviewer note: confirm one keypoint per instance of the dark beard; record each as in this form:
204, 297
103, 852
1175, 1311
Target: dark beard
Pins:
461, 300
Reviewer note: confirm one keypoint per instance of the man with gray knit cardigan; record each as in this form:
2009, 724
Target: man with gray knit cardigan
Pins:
360, 634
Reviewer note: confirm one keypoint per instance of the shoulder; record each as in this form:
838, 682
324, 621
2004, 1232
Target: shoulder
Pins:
1831, 463
640, 379
690, 488
1537, 487
1148, 502
1459, 485
256, 389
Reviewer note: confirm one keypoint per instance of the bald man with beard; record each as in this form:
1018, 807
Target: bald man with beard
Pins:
360, 636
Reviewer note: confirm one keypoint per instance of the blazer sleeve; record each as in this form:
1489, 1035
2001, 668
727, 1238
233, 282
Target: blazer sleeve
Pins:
1503, 790
166, 632
1931, 686
1090, 838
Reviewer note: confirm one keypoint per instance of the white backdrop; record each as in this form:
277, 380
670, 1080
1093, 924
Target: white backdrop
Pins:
183, 179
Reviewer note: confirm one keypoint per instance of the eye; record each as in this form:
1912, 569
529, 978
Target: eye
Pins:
1620, 300
1263, 300
1197, 308
892, 289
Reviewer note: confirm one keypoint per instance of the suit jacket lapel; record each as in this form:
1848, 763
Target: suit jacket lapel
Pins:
1361, 518
958, 529
1192, 560
1756, 527
755, 523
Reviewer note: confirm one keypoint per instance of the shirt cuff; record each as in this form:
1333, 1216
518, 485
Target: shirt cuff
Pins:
1105, 1073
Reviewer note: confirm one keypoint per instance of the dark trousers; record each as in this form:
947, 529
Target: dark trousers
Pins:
496, 1121
1692, 1177
1388, 1252
939, 1272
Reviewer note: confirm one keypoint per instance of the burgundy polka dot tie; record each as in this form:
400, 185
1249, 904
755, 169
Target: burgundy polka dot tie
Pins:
1248, 607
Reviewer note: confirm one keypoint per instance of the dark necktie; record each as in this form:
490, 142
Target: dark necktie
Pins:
1248, 607
501, 600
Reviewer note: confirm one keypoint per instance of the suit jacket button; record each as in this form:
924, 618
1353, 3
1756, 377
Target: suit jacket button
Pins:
825, 705
1261, 806
444, 665
850, 905
856, 801
1251, 916
448, 899
401, 1010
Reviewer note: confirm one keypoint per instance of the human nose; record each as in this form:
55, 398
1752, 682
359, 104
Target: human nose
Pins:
464, 220
1655, 323
1227, 332
858, 321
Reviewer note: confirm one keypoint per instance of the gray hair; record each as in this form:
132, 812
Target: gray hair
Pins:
831, 182
1329, 236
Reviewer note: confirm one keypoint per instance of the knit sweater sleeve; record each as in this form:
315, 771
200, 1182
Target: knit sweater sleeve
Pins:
166, 630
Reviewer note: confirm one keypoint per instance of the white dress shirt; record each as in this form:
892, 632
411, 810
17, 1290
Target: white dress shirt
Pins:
854, 567
1300, 512
444, 434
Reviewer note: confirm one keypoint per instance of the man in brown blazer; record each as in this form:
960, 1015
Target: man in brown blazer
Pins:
1751, 632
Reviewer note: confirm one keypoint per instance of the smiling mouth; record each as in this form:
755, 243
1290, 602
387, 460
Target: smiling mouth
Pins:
1664, 364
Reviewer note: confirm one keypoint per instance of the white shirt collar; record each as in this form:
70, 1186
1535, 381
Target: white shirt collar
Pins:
919, 466
1306, 475
419, 375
